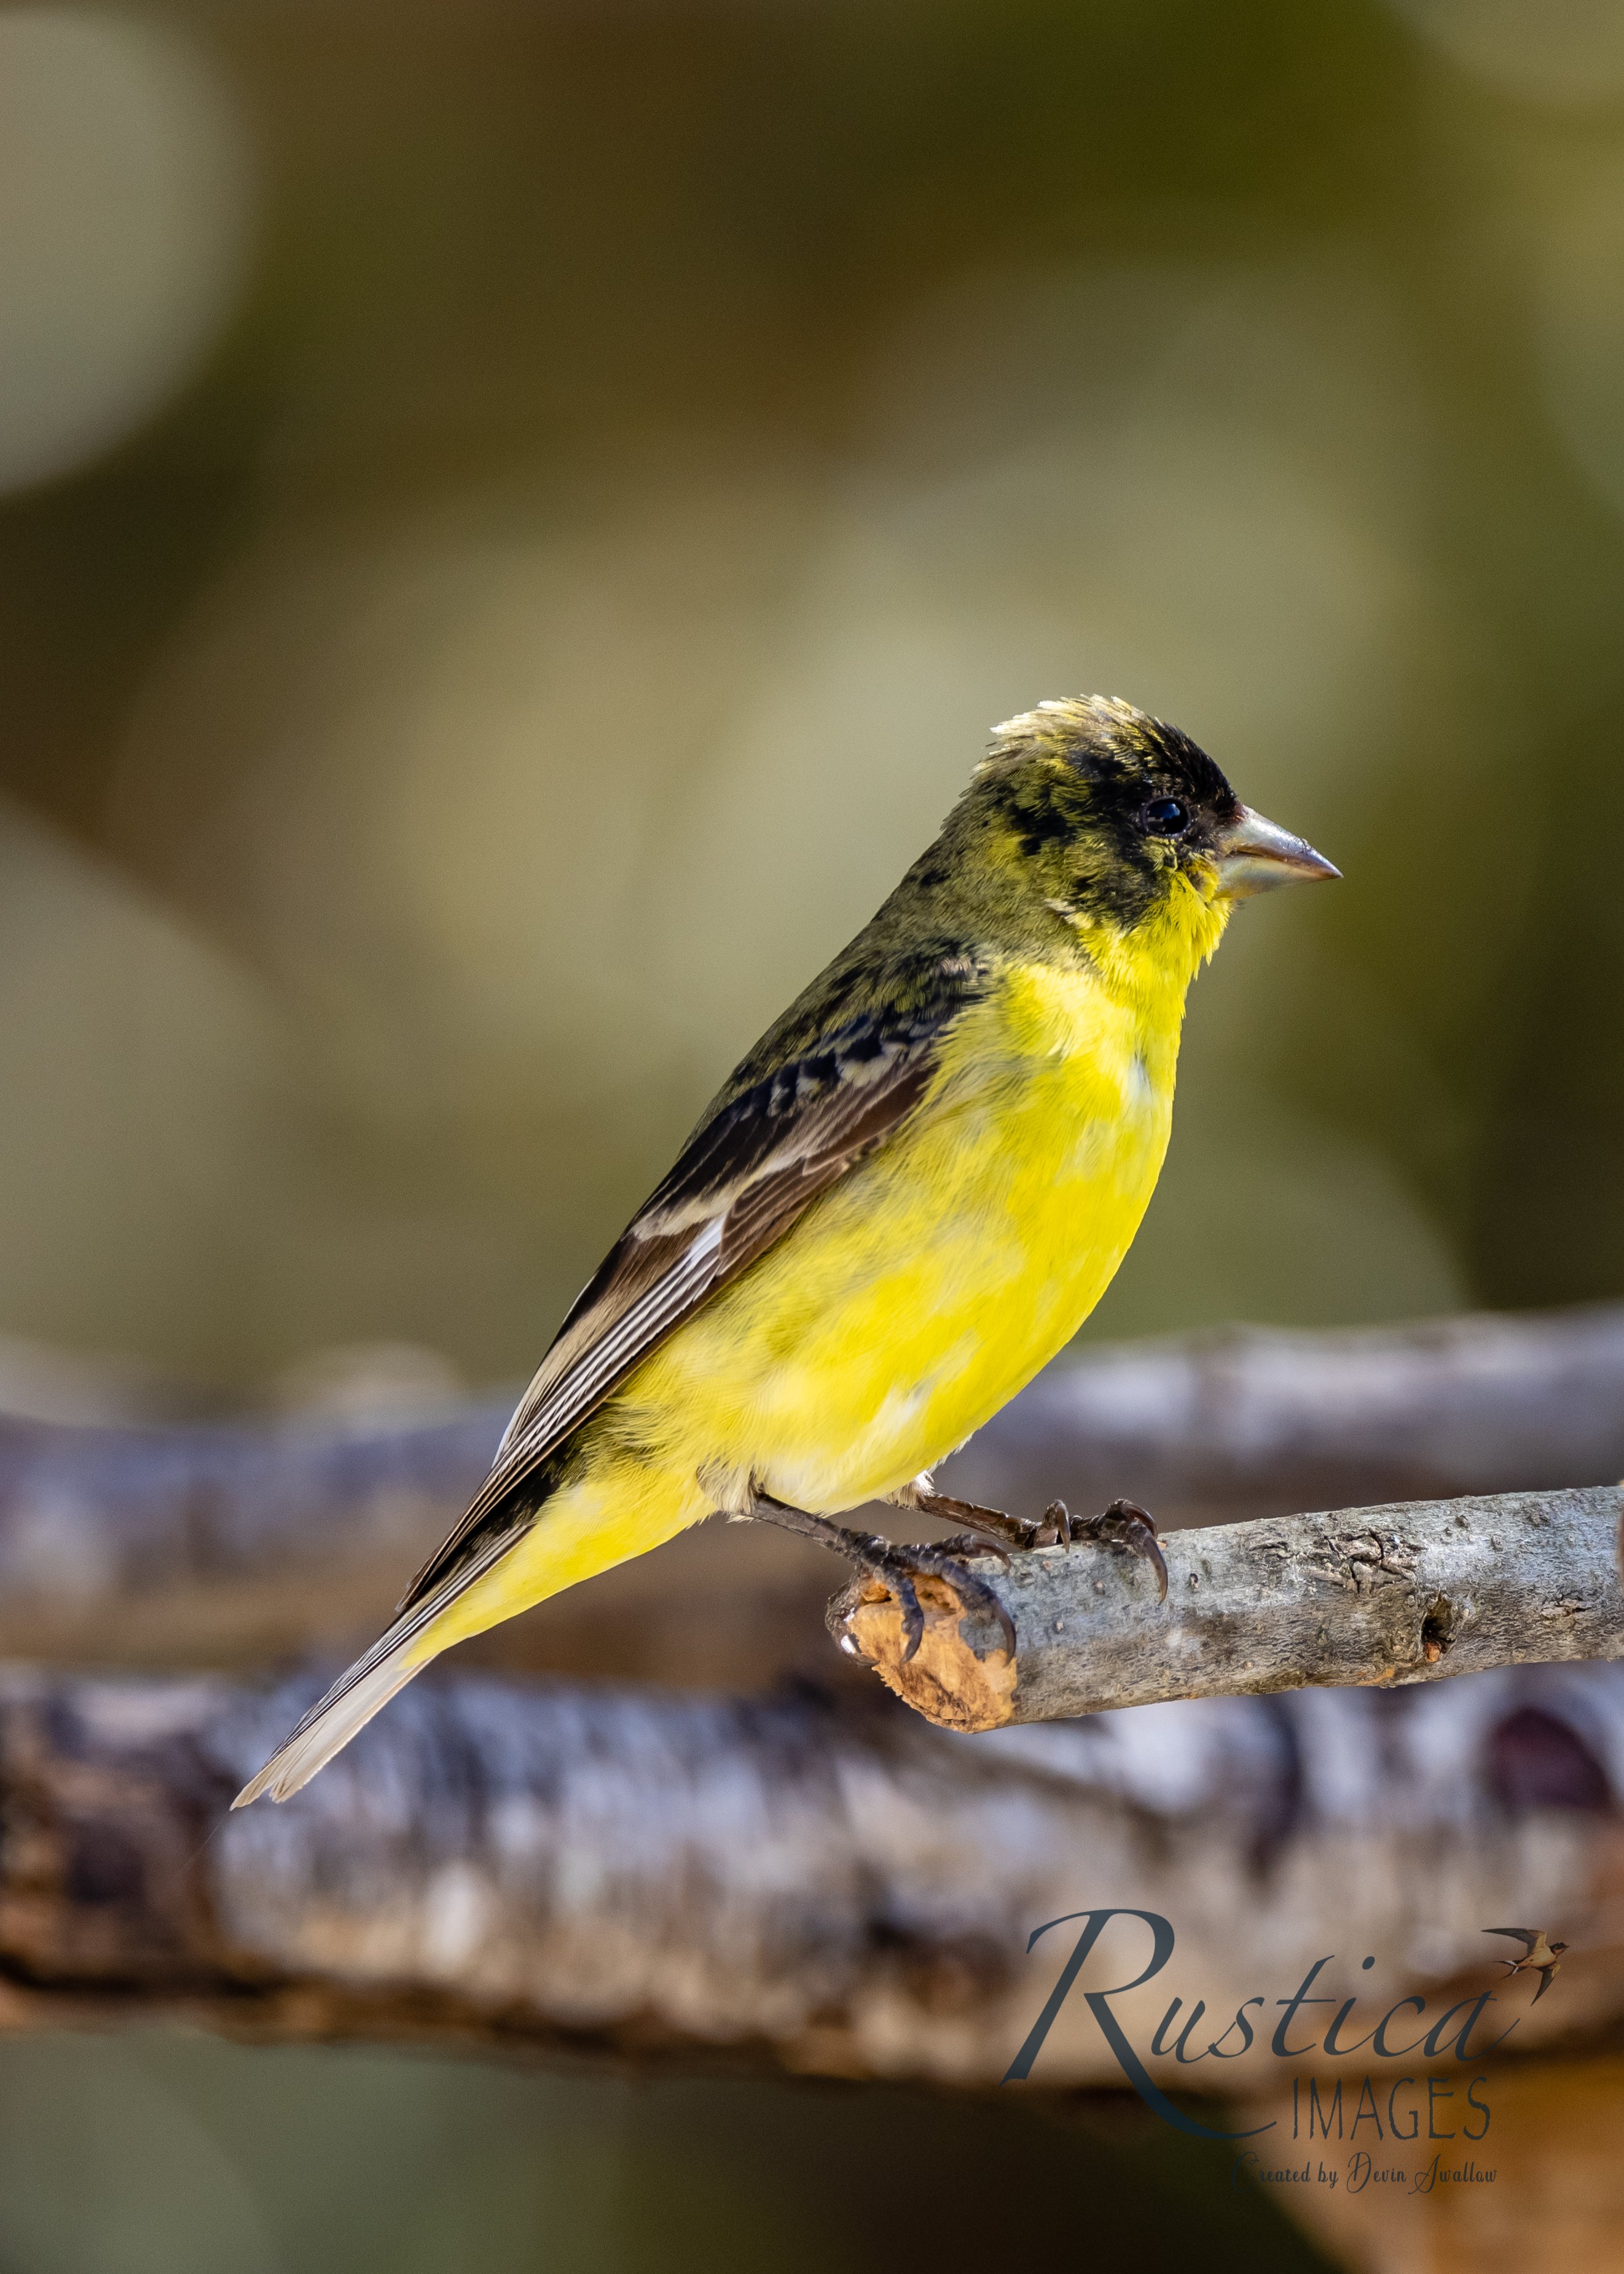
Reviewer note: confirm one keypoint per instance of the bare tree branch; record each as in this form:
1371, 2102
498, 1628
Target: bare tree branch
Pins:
1404, 1593
216, 1545
793, 1883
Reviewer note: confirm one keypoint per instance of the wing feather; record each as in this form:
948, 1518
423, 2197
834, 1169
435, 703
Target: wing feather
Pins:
781, 1134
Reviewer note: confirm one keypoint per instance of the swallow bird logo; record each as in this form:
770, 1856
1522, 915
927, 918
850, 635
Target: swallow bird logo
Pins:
1539, 1957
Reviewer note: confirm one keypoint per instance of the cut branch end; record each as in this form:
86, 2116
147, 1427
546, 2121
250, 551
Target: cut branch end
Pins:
961, 1676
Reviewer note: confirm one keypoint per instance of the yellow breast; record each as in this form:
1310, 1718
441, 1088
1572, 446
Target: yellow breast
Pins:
914, 1299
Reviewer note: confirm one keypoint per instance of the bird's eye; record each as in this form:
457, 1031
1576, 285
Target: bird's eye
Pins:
1166, 816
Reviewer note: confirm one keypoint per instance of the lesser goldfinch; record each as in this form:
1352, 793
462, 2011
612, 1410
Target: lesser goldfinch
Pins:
903, 1202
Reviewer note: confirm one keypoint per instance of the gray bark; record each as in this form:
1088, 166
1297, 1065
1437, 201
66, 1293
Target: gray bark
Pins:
1394, 1595
797, 1884
221, 1541
215, 1544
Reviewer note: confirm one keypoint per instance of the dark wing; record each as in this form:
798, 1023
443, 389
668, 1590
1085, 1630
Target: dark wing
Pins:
818, 1094
1547, 1975
1527, 1936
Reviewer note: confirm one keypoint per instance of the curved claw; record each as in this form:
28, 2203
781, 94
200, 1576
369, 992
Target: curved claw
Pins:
975, 1593
990, 1602
1125, 1523
1152, 1552
1130, 1527
898, 1567
898, 1570
913, 1616
1057, 1519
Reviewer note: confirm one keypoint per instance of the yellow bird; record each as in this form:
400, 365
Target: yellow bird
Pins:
906, 1200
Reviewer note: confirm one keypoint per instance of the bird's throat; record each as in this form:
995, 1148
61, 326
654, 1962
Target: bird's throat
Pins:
1147, 968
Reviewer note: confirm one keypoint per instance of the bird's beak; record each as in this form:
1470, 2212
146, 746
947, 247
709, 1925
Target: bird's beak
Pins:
1254, 855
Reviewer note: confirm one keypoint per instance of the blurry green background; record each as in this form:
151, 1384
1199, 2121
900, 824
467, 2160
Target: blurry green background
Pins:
517, 519
158, 2153
514, 522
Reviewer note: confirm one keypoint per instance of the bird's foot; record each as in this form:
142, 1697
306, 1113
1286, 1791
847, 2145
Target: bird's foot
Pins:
1127, 1527
1123, 1524
897, 1566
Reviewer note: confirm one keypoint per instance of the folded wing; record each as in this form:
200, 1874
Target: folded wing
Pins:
827, 1085
771, 1143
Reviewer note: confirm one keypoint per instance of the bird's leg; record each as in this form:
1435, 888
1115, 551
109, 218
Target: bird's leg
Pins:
1052, 1529
895, 1566
1123, 1524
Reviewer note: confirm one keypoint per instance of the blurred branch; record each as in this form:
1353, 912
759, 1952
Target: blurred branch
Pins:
790, 1882
1404, 1593
213, 1544
221, 1540
1246, 1422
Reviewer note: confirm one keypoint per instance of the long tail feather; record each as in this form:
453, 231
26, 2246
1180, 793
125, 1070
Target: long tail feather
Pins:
366, 1687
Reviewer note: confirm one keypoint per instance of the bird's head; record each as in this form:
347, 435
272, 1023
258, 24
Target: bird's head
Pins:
1120, 823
